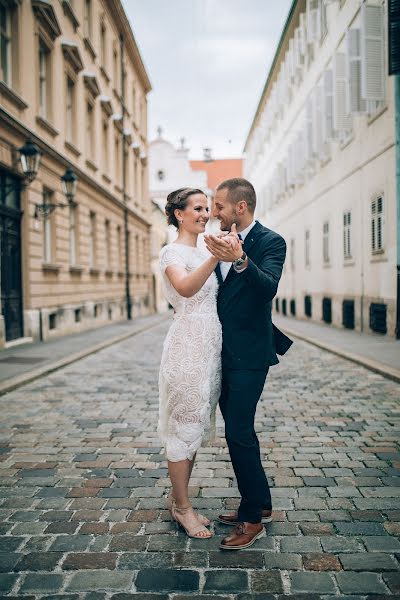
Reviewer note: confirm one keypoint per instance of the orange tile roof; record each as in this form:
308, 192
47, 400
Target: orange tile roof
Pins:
219, 169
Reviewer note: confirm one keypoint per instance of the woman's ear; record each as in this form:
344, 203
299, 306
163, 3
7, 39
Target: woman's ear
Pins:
178, 214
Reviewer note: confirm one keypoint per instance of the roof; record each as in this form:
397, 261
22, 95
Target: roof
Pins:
219, 169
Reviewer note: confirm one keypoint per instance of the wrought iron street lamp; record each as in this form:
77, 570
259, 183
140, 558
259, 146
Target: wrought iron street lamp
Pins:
30, 156
68, 183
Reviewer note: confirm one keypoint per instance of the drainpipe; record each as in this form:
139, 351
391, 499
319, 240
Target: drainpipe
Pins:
128, 300
396, 81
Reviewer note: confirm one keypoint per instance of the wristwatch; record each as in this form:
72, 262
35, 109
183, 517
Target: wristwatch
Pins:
240, 261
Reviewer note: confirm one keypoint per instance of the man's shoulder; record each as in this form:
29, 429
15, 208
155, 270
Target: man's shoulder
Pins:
268, 235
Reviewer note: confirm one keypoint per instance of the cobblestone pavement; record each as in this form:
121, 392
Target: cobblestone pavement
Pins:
83, 482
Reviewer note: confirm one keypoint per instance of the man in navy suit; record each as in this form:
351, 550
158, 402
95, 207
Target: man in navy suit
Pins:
248, 278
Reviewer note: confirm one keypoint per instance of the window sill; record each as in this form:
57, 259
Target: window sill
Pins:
69, 146
346, 141
50, 267
349, 262
75, 269
326, 265
94, 271
89, 47
379, 257
105, 74
379, 112
47, 126
6, 91
91, 165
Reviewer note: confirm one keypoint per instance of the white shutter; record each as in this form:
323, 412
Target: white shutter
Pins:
303, 34
355, 103
341, 119
328, 105
313, 20
372, 48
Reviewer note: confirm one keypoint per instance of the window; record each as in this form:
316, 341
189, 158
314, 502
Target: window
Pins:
108, 244
89, 129
292, 264
325, 242
92, 241
307, 248
133, 102
87, 19
43, 80
73, 235
70, 109
377, 224
119, 247
104, 148
5, 43
347, 234
47, 230
117, 160
103, 45
161, 175
115, 68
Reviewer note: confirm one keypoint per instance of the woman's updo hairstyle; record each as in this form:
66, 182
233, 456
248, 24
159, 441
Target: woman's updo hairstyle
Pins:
178, 200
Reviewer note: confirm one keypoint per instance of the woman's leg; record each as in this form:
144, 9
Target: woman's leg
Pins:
179, 473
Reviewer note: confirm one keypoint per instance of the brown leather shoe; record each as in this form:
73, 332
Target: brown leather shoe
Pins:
243, 536
232, 518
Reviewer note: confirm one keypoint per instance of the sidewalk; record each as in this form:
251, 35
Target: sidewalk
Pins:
375, 352
21, 364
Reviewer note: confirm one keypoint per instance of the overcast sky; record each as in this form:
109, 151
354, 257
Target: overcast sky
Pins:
207, 61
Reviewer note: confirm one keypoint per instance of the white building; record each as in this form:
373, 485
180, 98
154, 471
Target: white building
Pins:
321, 154
169, 170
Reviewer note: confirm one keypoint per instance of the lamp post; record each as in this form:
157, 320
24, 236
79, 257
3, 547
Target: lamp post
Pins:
68, 183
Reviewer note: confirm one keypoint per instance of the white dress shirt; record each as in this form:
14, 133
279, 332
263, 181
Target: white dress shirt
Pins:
225, 266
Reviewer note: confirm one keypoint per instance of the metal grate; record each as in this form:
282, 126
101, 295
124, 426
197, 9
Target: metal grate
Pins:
308, 306
293, 308
284, 306
348, 314
377, 317
277, 304
327, 310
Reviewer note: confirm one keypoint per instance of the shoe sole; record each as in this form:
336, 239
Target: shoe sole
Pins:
262, 534
264, 521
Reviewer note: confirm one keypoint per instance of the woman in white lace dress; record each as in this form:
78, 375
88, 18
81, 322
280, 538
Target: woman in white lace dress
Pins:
190, 372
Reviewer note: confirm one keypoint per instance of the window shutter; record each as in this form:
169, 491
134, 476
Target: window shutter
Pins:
328, 105
313, 21
372, 48
394, 37
355, 103
341, 119
309, 128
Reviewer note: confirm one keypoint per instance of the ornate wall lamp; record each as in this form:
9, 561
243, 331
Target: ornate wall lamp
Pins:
68, 183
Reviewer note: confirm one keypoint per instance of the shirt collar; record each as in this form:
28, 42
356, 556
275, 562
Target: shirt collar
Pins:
244, 233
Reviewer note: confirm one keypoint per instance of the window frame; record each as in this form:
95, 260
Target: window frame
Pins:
379, 217
6, 34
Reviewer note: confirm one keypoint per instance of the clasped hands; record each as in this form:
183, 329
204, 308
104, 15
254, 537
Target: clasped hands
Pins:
225, 246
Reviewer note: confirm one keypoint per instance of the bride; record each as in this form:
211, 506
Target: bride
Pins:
190, 371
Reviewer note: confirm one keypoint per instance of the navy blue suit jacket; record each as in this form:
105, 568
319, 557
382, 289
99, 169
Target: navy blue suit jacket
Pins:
249, 338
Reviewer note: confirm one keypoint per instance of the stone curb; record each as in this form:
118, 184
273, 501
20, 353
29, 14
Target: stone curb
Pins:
19, 380
372, 365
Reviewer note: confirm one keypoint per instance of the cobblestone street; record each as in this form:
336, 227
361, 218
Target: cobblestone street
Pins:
83, 485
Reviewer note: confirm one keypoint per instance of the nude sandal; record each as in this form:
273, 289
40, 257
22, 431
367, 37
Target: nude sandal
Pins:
194, 532
171, 502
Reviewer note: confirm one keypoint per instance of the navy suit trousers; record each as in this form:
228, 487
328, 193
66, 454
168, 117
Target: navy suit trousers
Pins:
241, 391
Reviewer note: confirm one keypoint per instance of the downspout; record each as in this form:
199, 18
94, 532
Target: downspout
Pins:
396, 81
128, 300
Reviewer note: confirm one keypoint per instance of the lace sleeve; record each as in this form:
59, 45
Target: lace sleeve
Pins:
171, 256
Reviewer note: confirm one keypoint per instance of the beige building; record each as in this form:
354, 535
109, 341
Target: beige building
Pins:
321, 153
72, 79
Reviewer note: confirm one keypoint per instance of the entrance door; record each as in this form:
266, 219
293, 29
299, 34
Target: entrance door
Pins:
10, 256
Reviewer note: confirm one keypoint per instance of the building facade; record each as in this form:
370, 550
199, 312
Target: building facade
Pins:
72, 80
321, 153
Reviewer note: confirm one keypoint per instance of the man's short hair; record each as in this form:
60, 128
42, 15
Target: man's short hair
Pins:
240, 189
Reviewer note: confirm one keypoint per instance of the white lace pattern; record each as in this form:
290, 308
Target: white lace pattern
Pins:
190, 371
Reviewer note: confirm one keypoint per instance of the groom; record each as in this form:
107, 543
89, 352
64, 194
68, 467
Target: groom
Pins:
248, 279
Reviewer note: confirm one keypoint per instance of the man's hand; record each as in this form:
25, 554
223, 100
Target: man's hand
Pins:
227, 248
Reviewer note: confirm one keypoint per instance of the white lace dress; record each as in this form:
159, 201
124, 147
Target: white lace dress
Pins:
190, 371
